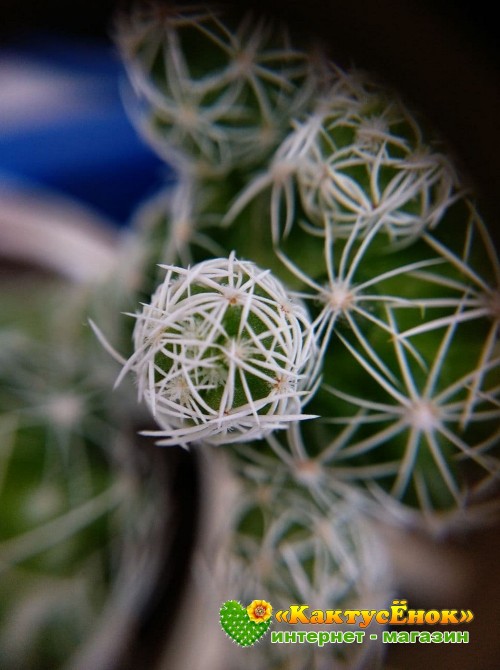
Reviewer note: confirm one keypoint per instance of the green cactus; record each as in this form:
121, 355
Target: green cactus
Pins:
75, 506
353, 204
362, 215
220, 88
221, 354
317, 295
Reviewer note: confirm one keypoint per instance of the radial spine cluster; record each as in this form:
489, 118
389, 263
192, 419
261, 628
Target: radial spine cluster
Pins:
222, 354
220, 87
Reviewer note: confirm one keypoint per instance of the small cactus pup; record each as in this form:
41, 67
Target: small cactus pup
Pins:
222, 354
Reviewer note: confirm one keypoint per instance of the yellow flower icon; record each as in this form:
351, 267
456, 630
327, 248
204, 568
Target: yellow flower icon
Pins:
259, 611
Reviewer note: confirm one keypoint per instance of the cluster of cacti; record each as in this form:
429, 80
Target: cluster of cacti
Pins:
294, 171
320, 300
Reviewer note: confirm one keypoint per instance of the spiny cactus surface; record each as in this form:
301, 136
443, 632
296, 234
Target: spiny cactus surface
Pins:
361, 214
222, 354
349, 201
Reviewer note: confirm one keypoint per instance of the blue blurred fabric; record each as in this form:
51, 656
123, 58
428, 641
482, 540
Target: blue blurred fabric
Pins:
86, 148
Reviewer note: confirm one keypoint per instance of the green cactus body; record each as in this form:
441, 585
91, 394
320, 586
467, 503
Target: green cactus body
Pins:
325, 181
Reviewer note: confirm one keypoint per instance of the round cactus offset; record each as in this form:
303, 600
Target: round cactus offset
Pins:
222, 354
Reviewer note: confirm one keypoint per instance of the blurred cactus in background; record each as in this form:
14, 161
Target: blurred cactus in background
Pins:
76, 522
215, 90
315, 303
